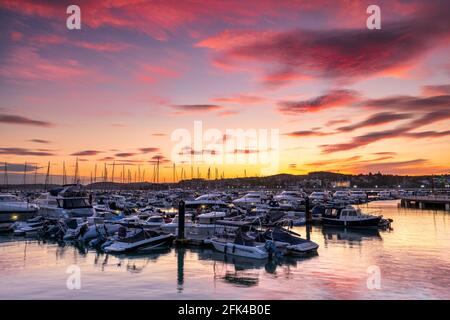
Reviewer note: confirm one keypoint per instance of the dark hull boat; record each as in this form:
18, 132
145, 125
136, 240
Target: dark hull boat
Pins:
350, 217
140, 241
362, 223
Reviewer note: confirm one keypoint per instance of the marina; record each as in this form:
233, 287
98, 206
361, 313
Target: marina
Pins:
225, 255
224, 150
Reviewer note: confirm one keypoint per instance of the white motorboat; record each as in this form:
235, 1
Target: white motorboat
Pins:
207, 225
241, 246
385, 195
207, 201
172, 226
13, 209
358, 196
319, 196
70, 201
342, 195
140, 240
250, 200
291, 199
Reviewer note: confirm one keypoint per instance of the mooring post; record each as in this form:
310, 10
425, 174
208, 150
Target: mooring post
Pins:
308, 213
181, 214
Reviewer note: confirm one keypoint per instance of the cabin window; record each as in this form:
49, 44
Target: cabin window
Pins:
75, 203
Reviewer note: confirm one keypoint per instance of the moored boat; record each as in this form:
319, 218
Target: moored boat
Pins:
139, 240
12, 209
350, 217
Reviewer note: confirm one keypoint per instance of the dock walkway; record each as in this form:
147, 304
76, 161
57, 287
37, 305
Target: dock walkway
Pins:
423, 202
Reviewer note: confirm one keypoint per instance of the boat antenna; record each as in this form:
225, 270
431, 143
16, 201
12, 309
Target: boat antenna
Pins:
64, 173
106, 174
25, 173
75, 177
112, 173
157, 170
35, 174
47, 177
154, 172
6, 175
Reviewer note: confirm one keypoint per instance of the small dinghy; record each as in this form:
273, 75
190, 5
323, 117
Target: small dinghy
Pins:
242, 246
139, 241
295, 244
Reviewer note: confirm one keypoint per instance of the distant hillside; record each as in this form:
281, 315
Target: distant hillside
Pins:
313, 180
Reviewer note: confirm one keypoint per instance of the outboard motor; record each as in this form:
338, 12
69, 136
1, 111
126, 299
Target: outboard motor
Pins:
122, 233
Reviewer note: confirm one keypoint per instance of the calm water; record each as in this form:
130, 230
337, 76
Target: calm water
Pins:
414, 260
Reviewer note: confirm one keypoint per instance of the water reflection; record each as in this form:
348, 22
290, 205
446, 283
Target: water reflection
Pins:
350, 236
413, 258
180, 269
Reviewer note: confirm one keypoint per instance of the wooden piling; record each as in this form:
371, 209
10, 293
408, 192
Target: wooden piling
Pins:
181, 220
308, 213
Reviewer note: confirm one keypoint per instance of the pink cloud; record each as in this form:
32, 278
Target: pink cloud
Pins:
331, 99
340, 54
242, 99
16, 36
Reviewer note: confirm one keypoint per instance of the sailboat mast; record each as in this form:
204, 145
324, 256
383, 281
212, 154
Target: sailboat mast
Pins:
112, 174
25, 173
6, 175
47, 177
35, 174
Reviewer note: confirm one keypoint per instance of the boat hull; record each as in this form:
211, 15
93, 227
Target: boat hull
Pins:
147, 244
257, 252
13, 216
362, 223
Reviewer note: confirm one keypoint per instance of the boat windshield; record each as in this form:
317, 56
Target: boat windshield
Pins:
9, 198
74, 203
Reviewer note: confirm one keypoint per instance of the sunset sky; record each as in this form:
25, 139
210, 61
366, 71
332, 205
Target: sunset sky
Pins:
344, 98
